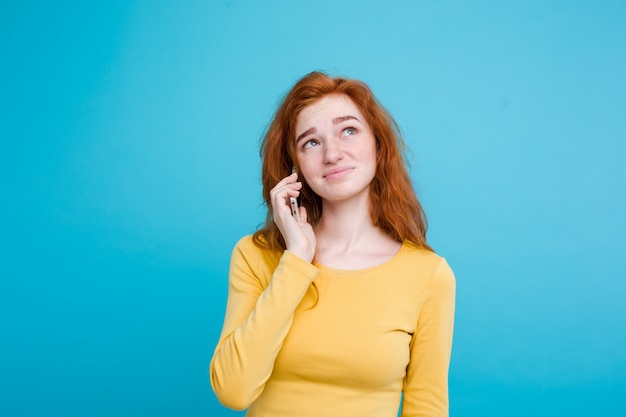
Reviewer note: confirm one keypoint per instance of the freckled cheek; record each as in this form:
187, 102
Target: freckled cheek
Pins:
305, 174
309, 167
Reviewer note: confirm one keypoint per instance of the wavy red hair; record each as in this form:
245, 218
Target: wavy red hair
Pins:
394, 207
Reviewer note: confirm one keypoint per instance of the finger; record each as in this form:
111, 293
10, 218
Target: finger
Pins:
289, 179
285, 191
303, 215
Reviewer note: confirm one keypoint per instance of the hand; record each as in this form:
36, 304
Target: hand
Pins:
299, 237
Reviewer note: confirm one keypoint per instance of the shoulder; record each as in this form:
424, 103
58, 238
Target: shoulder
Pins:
247, 247
246, 244
418, 256
434, 281
249, 255
249, 244
432, 269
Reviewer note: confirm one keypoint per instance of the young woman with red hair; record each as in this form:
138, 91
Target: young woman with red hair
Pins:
341, 309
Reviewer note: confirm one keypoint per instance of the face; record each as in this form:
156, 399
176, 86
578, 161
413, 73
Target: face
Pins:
336, 149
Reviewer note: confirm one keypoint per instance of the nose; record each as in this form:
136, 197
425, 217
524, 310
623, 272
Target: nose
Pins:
332, 151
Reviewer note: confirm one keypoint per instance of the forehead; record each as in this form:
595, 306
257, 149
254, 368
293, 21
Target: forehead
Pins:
326, 109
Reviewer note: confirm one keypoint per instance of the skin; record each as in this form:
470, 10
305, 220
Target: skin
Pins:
336, 153
336, 150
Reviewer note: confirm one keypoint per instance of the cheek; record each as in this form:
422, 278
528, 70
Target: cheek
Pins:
307, 172
371, 154
306, 167
307, 180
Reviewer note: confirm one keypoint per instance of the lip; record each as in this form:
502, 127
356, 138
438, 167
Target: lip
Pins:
337, 173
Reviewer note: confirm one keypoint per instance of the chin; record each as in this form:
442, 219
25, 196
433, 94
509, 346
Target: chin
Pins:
344, 196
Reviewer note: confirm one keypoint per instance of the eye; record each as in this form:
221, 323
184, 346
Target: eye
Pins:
310, 143
348, 131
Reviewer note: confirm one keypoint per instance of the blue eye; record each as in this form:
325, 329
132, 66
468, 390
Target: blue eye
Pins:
349, 131
310, 143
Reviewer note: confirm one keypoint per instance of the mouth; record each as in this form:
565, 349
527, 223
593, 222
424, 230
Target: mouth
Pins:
337, 172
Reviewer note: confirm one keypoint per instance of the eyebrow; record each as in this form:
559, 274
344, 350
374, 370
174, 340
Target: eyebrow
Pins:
336, 121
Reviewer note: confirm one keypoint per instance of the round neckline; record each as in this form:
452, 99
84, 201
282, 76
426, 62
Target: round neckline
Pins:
361, 271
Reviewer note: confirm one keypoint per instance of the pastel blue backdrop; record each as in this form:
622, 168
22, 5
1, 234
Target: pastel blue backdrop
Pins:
129, 168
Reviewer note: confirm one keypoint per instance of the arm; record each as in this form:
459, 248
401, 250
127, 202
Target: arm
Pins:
258, 318
426, 382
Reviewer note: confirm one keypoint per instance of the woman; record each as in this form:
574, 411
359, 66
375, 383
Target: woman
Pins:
341, 311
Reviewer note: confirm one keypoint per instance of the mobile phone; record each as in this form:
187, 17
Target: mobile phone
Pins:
294, 208
293, 202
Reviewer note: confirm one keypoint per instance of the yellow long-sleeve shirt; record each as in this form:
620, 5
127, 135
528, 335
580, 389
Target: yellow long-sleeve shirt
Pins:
347, 346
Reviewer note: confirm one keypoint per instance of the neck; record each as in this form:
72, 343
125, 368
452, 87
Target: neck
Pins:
347, 238
345, 223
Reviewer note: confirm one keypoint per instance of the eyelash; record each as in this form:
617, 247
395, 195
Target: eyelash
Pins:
349, 128
309, 143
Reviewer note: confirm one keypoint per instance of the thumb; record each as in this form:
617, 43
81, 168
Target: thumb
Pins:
303, 215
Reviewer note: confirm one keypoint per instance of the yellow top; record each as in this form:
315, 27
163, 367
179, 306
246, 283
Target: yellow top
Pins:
348, 345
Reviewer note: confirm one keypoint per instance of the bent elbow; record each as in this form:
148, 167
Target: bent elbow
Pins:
231, 393
232, 399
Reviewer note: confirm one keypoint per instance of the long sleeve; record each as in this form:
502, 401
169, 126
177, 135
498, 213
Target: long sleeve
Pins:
259, 314
426, 382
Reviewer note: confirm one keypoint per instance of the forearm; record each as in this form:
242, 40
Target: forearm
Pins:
249, 344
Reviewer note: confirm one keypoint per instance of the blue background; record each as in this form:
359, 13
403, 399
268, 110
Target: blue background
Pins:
129, 168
